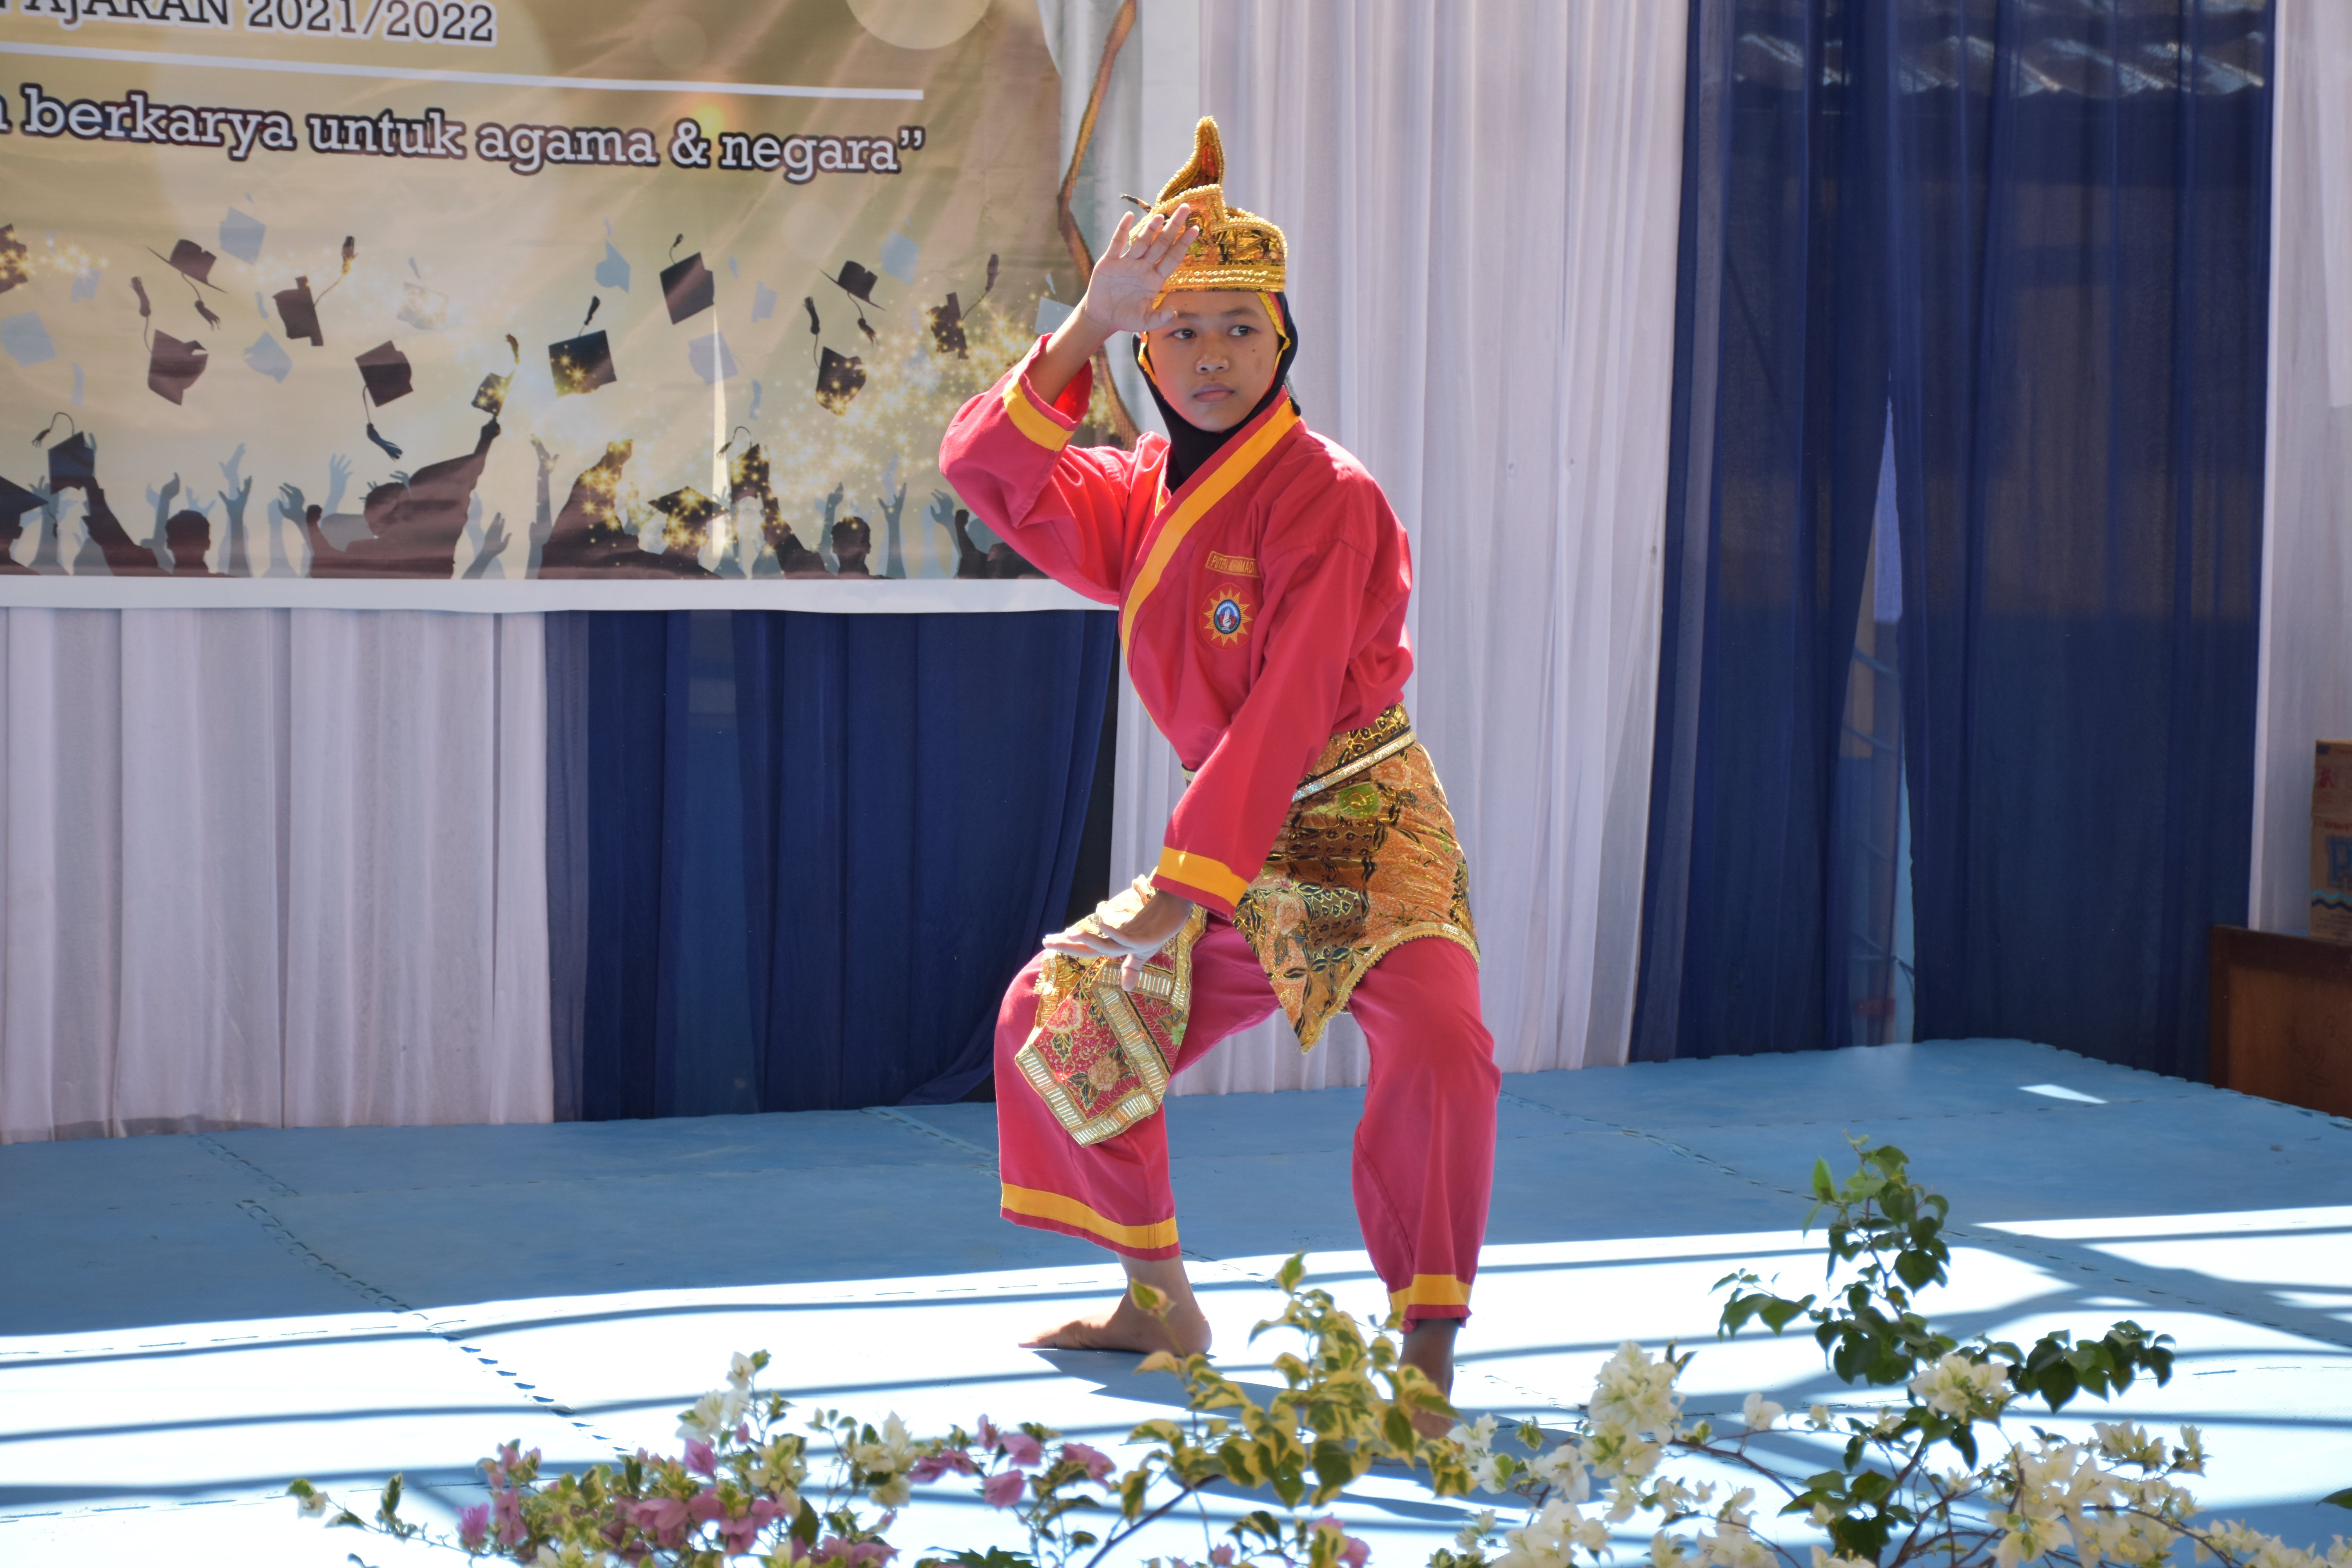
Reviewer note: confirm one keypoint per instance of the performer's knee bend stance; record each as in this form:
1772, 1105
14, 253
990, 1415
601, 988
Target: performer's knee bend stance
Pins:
1312, 865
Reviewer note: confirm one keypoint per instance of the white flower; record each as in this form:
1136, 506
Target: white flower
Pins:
1551, 1539
1733, 1547
892, 1455
2192, 1457
1667, 1551
1889, 1420
1634, 1393
1760, 1412
715, 1413
2129, 1443
1562, 1468
739, 1371
1960, 1388
313, 1506
1476, 1530
894, 1492
1828, 1560
1478, 1437
1818, 1416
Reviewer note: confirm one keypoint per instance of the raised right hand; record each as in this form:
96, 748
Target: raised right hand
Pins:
1122, 296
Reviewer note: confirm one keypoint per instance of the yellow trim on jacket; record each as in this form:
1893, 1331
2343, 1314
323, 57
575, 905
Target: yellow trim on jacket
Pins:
1214, 485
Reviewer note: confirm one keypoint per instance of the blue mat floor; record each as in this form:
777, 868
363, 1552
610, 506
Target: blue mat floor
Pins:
190, 1321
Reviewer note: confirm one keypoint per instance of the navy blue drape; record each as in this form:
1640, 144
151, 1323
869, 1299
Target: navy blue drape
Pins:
2037, 236
819, 846
915, 789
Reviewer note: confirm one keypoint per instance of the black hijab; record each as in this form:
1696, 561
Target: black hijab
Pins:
1189, 445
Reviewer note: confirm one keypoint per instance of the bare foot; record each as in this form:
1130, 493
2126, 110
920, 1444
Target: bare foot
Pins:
1429, 1346
1183, 1328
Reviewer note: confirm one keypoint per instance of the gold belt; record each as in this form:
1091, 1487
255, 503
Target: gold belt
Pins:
1351, 752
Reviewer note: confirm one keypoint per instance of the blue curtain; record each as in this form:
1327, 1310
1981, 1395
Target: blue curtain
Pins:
819, 847
2034, 239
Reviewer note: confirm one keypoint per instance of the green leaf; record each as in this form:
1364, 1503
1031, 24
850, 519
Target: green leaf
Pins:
1823, 1187
391, 1499
2341, 1500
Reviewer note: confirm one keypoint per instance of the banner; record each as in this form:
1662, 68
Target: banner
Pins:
515, 304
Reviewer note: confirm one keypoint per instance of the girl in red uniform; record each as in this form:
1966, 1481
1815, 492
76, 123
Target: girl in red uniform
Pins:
1260, 581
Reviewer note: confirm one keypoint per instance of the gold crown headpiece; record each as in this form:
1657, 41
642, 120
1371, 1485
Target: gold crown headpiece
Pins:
1237, 249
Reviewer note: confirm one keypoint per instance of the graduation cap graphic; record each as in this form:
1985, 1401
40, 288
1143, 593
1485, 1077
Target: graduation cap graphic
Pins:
73, 460
12, 268
687, 287
173, 366
490, 397
16, 501
583, 363
839, 379
299, 310
194, 263
858, 283
191, 262
947, 329
947, 321
690, 512
387, 373
749, 474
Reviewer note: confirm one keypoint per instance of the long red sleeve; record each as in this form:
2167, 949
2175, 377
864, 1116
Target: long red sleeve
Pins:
1071, 512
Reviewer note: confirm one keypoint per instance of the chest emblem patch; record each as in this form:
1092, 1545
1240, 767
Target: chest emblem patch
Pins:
1225, 619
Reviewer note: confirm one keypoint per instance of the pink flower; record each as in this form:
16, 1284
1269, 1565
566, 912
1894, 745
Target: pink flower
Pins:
988, 1435
742, 1431
700, 1459
662, 1518
1223, 1556
1023, 1449
1357, 1552
932, 1466
474, 1526
506, 1506
1097, 1463
1001, 1490
740, 1533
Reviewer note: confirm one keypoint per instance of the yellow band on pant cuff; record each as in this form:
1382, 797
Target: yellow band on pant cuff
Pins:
1430, 1290
1069, 1211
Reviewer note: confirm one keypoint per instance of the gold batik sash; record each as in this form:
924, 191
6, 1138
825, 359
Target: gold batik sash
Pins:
1099, 1054
1367, 860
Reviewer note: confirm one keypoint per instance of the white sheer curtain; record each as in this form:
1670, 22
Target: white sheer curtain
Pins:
270, 869
2306, 650
1482, 204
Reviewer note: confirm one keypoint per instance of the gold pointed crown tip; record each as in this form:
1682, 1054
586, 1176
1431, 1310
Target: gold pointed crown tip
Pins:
1235, 249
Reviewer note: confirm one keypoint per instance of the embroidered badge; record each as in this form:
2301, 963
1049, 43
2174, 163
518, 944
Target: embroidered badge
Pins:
1231, 566
1226, 618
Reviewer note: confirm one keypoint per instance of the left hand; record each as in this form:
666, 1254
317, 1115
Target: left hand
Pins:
1132, 940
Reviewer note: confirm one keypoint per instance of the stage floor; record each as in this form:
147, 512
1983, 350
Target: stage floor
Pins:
188, 1322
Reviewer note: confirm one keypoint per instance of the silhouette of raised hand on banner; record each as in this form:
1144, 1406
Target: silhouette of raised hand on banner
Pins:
46, 552
542, 525
162, 499
274, 519
894, 559
943, 512
233, 560
825, 531
494, 542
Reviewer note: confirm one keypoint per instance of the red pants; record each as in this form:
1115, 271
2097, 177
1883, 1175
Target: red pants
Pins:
1424, 1155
